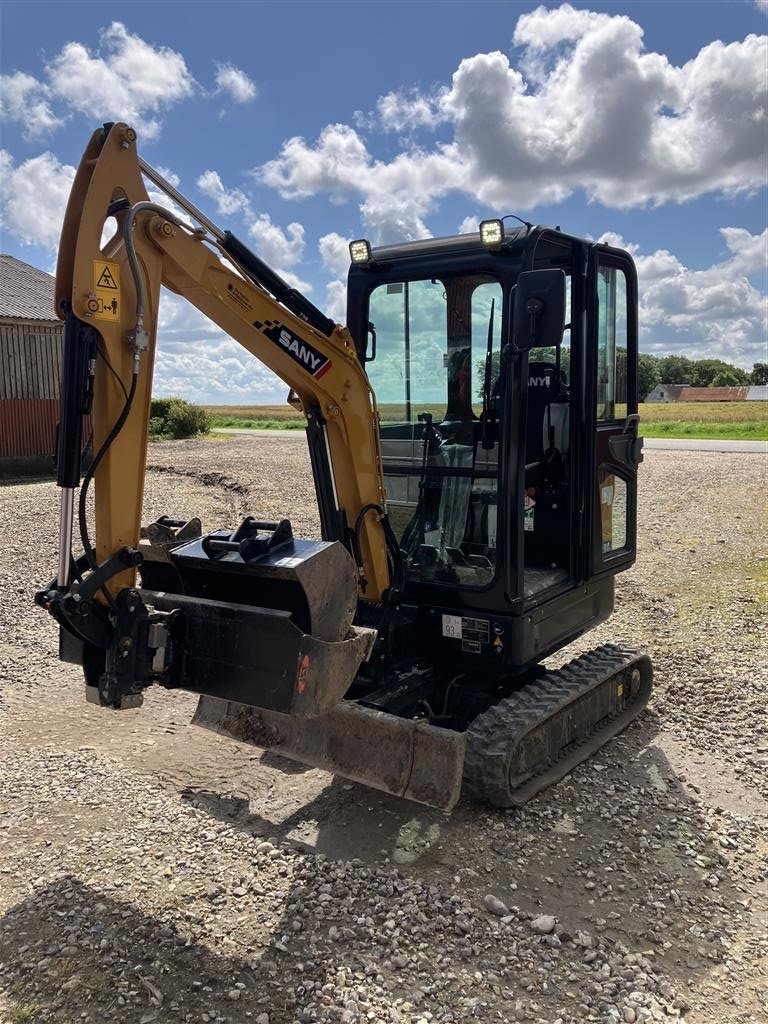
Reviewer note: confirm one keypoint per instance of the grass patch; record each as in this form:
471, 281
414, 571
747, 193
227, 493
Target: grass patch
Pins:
735, 421
704, 412
21, 1014
736, 587
746, 430
257, 424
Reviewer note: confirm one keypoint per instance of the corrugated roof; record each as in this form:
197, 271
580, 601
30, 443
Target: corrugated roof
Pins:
713, 395
26, 293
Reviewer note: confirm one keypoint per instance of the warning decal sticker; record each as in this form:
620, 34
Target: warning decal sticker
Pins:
528, 513
106, 280
104, 301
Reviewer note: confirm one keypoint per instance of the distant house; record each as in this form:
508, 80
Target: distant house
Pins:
664, 393
30, 362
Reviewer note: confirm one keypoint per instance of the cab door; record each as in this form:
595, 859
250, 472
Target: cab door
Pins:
617, 446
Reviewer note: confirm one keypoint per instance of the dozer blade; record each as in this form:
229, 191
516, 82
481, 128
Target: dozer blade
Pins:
536, 736
508, 754
404, 757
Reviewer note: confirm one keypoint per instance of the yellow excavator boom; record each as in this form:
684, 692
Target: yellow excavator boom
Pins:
115, 287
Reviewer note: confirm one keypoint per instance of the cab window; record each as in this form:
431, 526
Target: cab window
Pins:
432, 356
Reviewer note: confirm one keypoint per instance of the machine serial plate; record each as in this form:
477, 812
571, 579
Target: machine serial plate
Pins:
472, 631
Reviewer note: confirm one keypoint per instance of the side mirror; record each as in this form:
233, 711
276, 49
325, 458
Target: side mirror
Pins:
539, 311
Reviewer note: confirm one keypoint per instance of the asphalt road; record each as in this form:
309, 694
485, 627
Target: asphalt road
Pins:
697, 444
683, 444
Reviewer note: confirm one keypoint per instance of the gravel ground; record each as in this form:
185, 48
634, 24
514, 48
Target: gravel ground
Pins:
153, 872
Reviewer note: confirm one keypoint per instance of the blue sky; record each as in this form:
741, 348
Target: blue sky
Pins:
302, 125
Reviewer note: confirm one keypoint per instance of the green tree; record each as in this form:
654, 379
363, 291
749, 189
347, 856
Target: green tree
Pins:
495, 364
549, 355
726, 379
706, 370
174, 417
648, 376
759, 374
676, 370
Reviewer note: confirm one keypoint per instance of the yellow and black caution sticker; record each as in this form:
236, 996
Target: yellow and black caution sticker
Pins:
104, 304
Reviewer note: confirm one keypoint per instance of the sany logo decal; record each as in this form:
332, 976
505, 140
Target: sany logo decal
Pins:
304, 353
539, 382
301, 352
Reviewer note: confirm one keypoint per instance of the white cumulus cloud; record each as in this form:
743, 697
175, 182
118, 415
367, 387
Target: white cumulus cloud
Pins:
334, 252
336, 301
469, 225
200, 362
126, 78
34, 197
585, 107
281, 249
228, 201
24, 99
232, 80
716, 311
403, 111
395, 196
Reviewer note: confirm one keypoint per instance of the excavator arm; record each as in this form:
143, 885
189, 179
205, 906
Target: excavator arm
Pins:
254, 615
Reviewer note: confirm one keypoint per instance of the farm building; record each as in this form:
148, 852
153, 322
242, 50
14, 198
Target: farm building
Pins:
666, 393
30, 360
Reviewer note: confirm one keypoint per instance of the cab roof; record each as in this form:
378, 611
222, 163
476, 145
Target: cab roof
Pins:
451, 243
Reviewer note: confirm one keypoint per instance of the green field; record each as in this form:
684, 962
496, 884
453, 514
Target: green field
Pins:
736, 421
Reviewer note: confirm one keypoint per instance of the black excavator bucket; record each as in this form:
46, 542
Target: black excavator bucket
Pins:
257, 616
259, 657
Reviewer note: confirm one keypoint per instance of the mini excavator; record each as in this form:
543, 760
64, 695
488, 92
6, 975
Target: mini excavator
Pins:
473, 438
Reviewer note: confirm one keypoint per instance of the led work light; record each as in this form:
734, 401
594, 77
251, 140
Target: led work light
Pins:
491, 233
360, 251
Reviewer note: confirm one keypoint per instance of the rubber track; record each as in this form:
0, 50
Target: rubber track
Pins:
493, 736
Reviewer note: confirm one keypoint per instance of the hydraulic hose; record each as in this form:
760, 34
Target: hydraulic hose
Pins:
118, 426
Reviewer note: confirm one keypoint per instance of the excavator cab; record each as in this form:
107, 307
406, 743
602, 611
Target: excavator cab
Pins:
472, 436
511, 533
